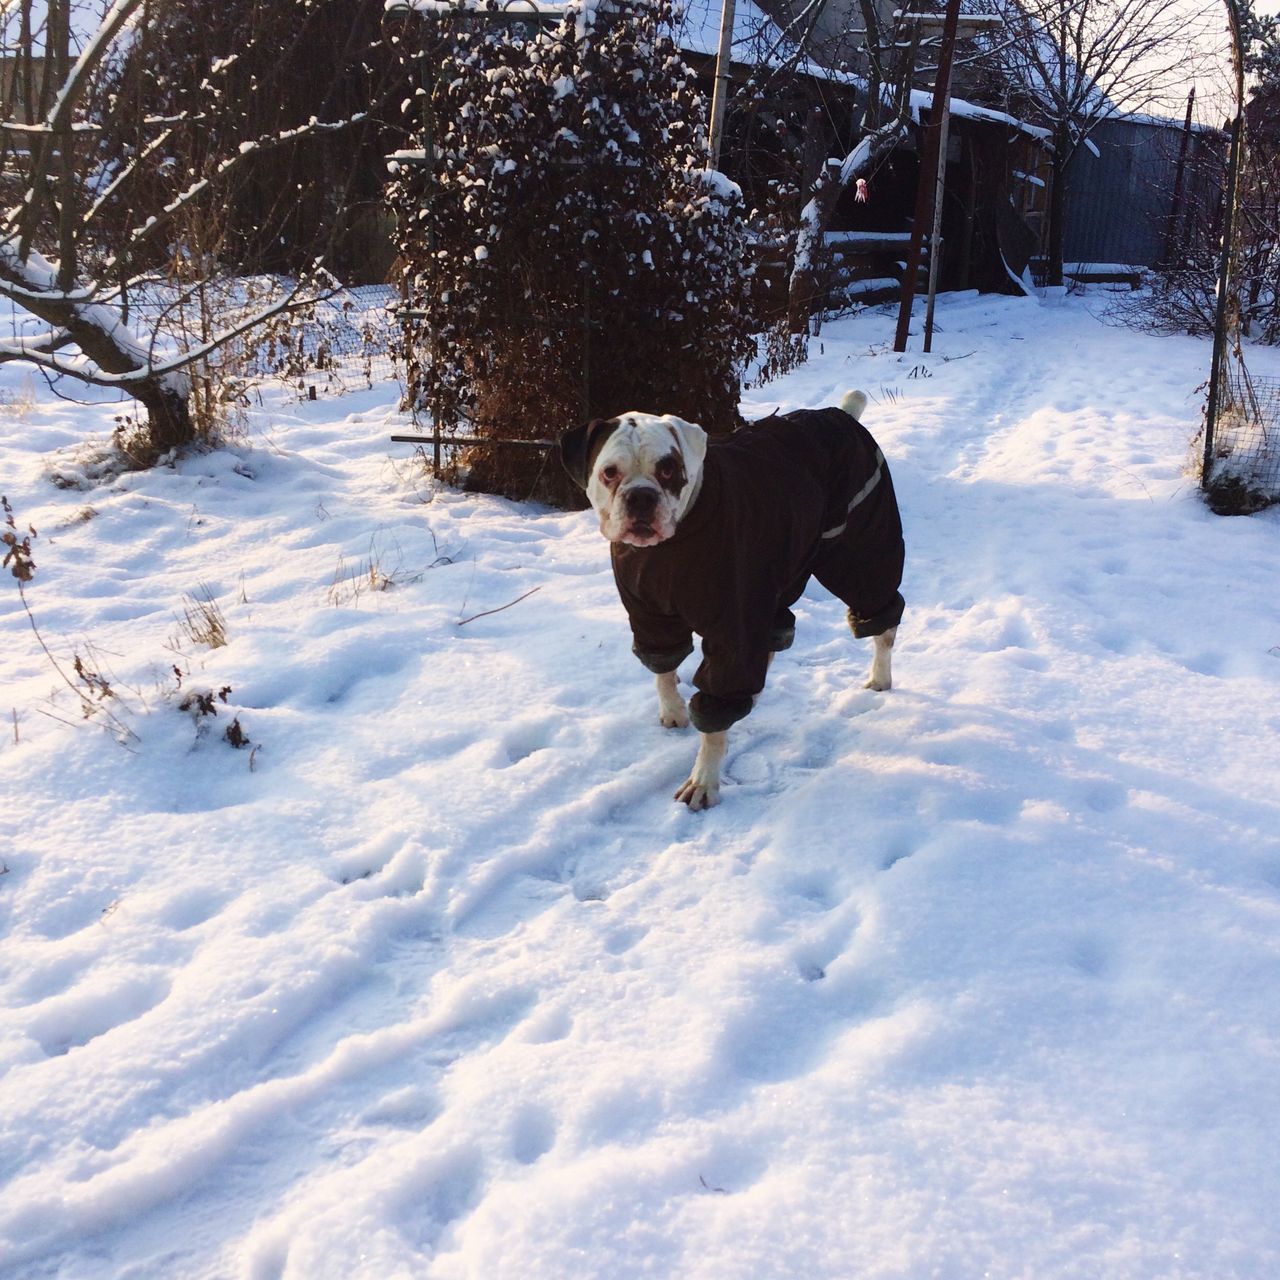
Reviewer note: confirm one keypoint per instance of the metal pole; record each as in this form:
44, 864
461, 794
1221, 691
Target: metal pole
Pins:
928, 172
721, 91
935, 244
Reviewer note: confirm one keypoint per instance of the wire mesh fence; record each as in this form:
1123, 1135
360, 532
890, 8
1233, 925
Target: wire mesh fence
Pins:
345, 342
1244, 454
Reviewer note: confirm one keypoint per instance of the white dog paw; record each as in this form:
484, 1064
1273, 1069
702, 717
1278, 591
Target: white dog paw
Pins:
699, 795
674, 717
879, 683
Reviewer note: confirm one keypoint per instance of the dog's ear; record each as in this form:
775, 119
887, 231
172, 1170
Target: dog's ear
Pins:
693, 441
579, 446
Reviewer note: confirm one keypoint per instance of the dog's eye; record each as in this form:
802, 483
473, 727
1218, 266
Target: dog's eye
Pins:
666, 467
609, 474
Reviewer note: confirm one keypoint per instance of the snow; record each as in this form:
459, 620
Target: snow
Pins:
845, 238
922, 100
433, 979
876, 284
1103, 268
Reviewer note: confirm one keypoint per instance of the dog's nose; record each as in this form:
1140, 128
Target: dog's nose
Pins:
640, 501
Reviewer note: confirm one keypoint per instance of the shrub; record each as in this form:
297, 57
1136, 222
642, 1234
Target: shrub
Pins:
567, 253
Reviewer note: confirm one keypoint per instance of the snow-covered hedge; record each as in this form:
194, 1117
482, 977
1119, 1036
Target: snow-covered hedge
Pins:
567, 252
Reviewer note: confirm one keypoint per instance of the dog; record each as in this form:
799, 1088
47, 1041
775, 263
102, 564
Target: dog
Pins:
719, 537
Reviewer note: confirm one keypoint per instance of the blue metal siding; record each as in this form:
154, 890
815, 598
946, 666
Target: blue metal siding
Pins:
1118, 202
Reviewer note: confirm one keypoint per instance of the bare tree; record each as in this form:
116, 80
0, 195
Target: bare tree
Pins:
805, 121
67, 258
1076, 63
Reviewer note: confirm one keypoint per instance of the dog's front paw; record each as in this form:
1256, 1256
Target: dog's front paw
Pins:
702, 788
699, 794
674, 715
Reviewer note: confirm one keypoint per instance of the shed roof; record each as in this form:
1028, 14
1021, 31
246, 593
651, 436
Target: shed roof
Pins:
756, 38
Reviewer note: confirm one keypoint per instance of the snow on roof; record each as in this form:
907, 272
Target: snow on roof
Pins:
922, 99
756, 38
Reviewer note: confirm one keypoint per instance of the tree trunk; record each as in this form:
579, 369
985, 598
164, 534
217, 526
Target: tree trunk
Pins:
805, 288
169, 424
99, 332
1057, 209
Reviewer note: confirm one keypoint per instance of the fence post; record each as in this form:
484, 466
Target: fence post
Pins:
1228, 237
929, 161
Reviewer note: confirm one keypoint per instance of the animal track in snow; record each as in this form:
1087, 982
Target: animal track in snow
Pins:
189, 908
1105, 797
533, 1134
621, 939
529, 737
93, 1008
71, 913
547, 1025
1091, 957
816, 954
814, 891
1206, 663
430, 1198
49, 980
408, 1108
898, 849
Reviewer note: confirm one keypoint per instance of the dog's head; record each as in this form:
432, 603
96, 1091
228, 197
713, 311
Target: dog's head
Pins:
641, 473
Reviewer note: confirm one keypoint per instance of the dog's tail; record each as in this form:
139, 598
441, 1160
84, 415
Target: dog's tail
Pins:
854, 403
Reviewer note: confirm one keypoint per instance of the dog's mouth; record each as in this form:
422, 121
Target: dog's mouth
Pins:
640, 533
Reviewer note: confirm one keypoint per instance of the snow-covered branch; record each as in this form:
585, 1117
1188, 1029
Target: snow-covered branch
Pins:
133, 164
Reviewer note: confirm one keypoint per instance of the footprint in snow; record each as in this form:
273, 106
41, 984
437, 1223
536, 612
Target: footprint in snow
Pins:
533, 1134
623, 938
817, 953
92, 1009
528, 738
547, 1025
408, 1108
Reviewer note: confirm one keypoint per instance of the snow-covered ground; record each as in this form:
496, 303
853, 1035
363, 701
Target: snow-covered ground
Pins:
432, 978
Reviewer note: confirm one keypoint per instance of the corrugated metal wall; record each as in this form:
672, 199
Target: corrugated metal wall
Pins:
1118, 202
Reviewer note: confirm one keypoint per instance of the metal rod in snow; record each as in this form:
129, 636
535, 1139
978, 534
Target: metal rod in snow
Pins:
720, 93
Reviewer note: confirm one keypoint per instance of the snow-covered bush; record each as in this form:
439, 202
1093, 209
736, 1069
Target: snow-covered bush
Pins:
567, 252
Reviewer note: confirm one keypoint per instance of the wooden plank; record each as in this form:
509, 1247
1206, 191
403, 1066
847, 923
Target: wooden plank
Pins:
471, 439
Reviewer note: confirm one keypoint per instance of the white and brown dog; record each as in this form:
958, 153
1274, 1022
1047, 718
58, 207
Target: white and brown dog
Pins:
719, 538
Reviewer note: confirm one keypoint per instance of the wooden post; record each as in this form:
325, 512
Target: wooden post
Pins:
1175, 208
935, 243
1224, 258
721, 91
928, 172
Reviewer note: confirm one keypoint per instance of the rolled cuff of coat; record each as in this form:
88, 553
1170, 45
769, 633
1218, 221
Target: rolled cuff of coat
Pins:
660, 661
714, 715
781, 638
879, 622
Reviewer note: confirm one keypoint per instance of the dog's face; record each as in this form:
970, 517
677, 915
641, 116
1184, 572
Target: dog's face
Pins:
641, 473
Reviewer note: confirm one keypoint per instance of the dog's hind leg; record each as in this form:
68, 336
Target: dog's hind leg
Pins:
671, 709
881, 676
